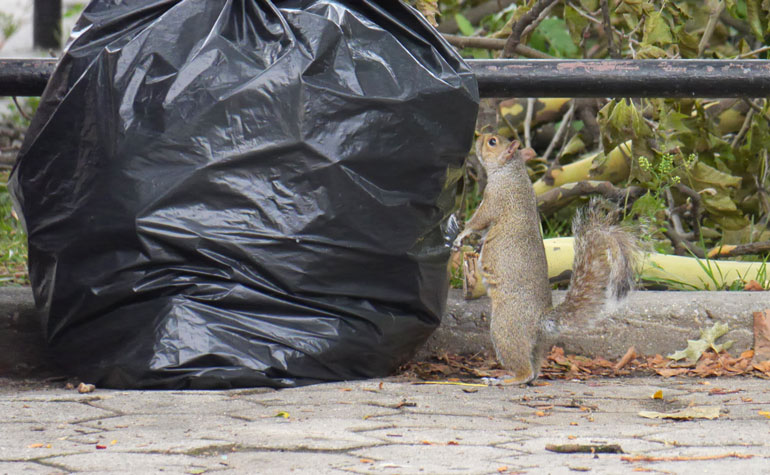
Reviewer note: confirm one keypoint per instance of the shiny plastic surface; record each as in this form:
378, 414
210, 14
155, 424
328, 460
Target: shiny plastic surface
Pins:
243, 193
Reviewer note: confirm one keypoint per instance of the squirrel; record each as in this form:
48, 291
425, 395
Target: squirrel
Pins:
524, 321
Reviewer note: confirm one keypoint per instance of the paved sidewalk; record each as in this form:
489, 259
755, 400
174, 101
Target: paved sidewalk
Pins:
383, 426
390, 426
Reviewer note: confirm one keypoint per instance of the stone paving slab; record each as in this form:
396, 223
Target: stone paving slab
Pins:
384, 426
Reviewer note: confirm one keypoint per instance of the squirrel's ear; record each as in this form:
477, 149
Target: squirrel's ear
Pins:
510, 151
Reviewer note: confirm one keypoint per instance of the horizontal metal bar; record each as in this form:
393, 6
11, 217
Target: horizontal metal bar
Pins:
537, 78
622, 78
24, 77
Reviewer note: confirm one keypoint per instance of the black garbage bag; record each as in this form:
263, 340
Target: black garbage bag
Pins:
229, 193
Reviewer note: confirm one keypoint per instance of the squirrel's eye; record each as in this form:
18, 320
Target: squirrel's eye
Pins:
492, 142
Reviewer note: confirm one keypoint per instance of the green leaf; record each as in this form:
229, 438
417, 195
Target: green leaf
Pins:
626, 118
465, 26
708, 338
754, 18
73, 10
651, 52
647, 205
574, 146
719, 202
671, 120
590, 5
576, 23
656, 30
707, 176
688, 44
630, 6
737, 8
555, 34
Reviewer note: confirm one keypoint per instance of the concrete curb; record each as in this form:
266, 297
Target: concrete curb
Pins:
653, 322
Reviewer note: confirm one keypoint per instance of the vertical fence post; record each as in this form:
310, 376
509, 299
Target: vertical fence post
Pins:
46, 24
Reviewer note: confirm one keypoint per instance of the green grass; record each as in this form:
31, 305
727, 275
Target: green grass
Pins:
13, 241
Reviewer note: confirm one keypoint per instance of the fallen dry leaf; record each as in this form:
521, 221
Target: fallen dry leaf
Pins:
630, 355
462, 370
722, 391
669, 372
762, 336
682, 458
708, 338
753, 285
84, 388
765, 413
658, 394
704, 412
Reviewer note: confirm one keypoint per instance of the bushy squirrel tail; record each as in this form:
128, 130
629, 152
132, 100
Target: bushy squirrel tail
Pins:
603, 272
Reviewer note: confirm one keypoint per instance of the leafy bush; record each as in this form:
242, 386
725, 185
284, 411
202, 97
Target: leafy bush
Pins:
697, 170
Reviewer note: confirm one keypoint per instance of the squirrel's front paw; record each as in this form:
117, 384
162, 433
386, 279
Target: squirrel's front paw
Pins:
457, 244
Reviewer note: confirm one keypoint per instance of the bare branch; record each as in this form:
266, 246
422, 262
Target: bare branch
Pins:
532, 17
20, 109
752, 53
739, 25
528, 122
740, 249
586, 111
565, 121
608, 29
716, 10
744, 128
697, 208
493, 44
757, 109
676, 234
557, 198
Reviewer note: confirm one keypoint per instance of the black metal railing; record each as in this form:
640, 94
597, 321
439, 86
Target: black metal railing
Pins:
46, 24
537, 78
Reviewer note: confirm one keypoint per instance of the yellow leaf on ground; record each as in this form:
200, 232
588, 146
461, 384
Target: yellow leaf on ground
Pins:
704, 412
